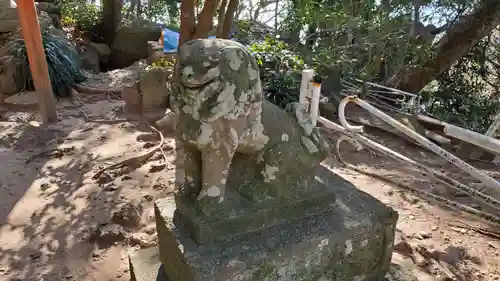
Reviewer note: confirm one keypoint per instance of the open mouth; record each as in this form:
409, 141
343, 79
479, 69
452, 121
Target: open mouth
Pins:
191, 86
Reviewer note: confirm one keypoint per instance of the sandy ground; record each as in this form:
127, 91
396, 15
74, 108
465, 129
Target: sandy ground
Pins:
51, 208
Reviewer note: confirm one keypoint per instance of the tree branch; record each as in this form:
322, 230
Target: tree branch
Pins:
459, 39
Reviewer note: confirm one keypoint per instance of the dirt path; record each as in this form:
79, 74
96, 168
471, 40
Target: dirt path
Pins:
55, 219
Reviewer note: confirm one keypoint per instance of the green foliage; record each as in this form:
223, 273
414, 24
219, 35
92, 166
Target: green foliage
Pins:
280, 69
84, 14
164, 62
62, 59
381, 46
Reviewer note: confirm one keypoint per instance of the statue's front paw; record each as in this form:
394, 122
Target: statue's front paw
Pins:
208, 206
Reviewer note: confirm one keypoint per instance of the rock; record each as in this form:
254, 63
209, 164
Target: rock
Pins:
104, 51
90, 57
8, 20
111, 81
133, 100
145, 265
131, 42
403, 247
56, 21
128, 216
154, 47
422, 235
142, 240
50, 8
106, 235
453, 255
153, 86
45, 20
8, 72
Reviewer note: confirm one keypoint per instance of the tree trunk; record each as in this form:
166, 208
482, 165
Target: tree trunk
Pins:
228, 18
206, 19
457, 42
220, 17
188, 21
111, 11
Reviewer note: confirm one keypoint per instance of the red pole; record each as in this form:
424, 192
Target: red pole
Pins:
30, 28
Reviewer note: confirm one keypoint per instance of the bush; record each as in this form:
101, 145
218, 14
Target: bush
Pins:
280, 71
83, 14
62, 60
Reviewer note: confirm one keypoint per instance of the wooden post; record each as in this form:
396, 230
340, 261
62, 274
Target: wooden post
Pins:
30, 28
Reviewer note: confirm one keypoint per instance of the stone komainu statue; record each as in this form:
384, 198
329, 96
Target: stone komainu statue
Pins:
235, 141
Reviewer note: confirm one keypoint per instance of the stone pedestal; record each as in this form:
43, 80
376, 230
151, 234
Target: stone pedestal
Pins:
350, 239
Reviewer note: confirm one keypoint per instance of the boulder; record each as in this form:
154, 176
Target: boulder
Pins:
50, 8
131, 42
8, 20
104, 51
154, 88
90, 57
8, 71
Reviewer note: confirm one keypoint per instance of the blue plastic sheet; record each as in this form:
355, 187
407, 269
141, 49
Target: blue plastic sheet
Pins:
171, 40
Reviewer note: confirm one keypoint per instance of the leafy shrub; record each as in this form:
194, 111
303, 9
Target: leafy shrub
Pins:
84, 14
62, 60
280, 71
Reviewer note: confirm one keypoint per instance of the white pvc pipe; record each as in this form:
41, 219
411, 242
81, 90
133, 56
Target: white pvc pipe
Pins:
343, 120
437, 137
316, 92
417, 137
483, 141
307, 76
469, 136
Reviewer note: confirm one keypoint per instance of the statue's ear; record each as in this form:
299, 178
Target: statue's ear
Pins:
233, 56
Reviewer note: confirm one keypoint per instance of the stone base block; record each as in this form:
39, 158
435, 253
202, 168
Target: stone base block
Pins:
351, 242
145, 265
246, 216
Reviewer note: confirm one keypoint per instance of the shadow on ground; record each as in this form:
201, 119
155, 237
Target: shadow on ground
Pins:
50, 204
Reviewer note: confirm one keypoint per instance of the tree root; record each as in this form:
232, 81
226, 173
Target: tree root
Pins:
481, 230
92, 90
137, 160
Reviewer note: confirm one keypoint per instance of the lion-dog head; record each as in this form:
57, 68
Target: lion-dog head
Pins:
217, 78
